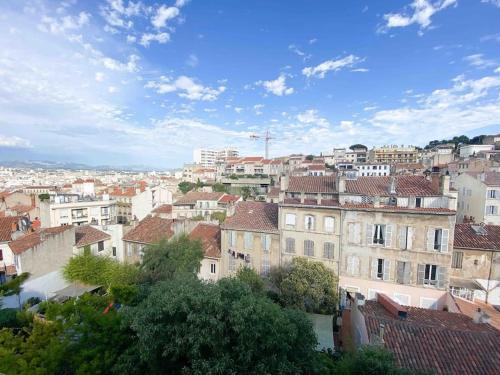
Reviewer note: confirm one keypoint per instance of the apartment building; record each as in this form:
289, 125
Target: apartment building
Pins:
310, 220
370, 169
71, 209
470, 150
397, 237
479, 197
202, 204
208, 158
251, 238
210, 237
89, 240
475, 265
393, 154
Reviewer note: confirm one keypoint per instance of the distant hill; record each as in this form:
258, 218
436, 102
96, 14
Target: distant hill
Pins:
40, 164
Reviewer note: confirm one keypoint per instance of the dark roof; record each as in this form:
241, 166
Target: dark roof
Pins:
6, 227
312, 184
274, 192
163, 209
254, 216
489, 178
438, 341
466, 237
209, 234
30, 240
150, 230
405, 186
87, 235
193, 196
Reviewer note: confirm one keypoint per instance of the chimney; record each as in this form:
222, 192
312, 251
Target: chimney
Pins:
284, 183
341, 183
444, 186
318, 198
391, 306
381, 332
13, 227
392, 187
376, 201
435, 182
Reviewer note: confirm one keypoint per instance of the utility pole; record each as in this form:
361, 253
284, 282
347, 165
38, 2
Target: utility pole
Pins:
266, 137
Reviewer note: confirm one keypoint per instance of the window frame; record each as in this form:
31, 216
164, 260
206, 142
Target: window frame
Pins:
309, 248
326, 227
290, 216
329, 249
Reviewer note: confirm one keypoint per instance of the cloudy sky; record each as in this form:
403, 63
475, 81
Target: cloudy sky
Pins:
125, 83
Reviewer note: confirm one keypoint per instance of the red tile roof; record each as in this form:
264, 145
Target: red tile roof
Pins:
254, 216
489, 178
229, 198
274, 192
312, 184
6, 227
29, 241
252, 159
21, 208
470, 308
399, 209
193, 196
438, 341
405, 186
150, 230
316, 167
87, 235
163, 209
466, 237
209, 235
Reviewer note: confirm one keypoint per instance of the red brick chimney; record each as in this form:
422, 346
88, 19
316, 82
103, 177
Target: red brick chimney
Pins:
391, 306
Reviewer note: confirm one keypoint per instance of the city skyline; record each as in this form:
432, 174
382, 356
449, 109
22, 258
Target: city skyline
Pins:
127, 83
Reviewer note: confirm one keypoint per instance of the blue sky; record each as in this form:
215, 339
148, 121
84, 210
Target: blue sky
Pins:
125, 83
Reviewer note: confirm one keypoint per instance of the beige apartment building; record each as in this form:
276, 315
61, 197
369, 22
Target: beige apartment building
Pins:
393, 154
250, 238
479, 197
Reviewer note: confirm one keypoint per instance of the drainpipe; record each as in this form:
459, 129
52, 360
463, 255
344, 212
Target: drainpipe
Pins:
341, 235
489, 278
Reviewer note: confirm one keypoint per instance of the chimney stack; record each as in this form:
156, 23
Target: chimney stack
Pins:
381, 332
341, 183
392, 187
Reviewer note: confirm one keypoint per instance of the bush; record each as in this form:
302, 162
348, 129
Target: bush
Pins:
8, 318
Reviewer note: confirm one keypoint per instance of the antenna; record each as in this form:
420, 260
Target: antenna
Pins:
266, 137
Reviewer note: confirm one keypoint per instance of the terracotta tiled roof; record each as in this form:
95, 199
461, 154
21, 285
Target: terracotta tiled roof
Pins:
405, 186
254, 216
470, 308
150, 230
316, 167
252, 159
6, 227
229, 198
29, 241
193, 196
128, 192
466, 237
163, 209
87, 235
209, 235
399, 209
489, 178
312, 202
312, 184
21, 208
4, 194
274, 192
438, 341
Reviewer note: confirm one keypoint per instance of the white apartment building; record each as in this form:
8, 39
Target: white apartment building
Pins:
208, 157
468, 150
70, 209
370, 169
479, 197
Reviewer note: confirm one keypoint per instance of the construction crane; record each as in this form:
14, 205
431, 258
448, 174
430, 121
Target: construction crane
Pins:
266, 137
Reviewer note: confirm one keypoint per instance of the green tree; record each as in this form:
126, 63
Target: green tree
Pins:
14, 287
219, 188
186, 326
357, 146
100, 270
251, 278
219, 216
310, 157
306, 285
245, 192
166, 259
185, 186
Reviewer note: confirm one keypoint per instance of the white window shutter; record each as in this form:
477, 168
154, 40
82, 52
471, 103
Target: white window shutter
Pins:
349, 262
430, 239
400, 272
387, 269
402, 238
388, 235
369, 234
355, 263
441, 277
357, 233
420, 274
409, 238
374, 268
407, 273
444, 240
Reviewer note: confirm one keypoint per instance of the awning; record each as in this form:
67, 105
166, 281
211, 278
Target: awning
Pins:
75, 290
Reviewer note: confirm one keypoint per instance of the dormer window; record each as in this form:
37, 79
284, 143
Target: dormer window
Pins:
418, 202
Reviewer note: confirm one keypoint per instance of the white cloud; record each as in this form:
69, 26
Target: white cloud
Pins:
421, 13
163, 14
14, 141
60, 26
494, 2
258, 109
313, 40
319, 71
131, 39
186, 87
161, 38
238, 109
479, 61
311, 117
360, 70
277, 87
116, 13
130, 66
181, 3
192, 60
99, 76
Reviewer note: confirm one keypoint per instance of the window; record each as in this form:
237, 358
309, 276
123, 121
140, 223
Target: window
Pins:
309, 222
248, 240
456, 260
492, 194
402, 299
1, 254
352, 265
403, 272
266, 267
100, 246
329, 224
328, 250
290, 220
406, 238
379, 234
114, 251
231, 238
491, 210
212, 268
354, 230
437, 239
309, 248
265, 242
232, 264
428, 274
290, 245
380, 269
418, 202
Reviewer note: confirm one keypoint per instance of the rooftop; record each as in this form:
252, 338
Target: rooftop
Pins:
312, 184
163, 209
87, 235
405, 186
194, 196
254, 216
6, 227
489, 178
30, 240
150, 230
209, 235
481, 237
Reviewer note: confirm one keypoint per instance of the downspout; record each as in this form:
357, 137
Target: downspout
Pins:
489, 278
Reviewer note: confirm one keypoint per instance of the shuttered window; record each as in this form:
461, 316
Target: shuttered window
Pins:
403, 274
309, 248
328, 250
329, 224
290, 245
248, 240
456, 260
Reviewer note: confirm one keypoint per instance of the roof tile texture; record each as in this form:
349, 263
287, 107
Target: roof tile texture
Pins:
209, 235
254, 216
87, 235
150, 230
466, 237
